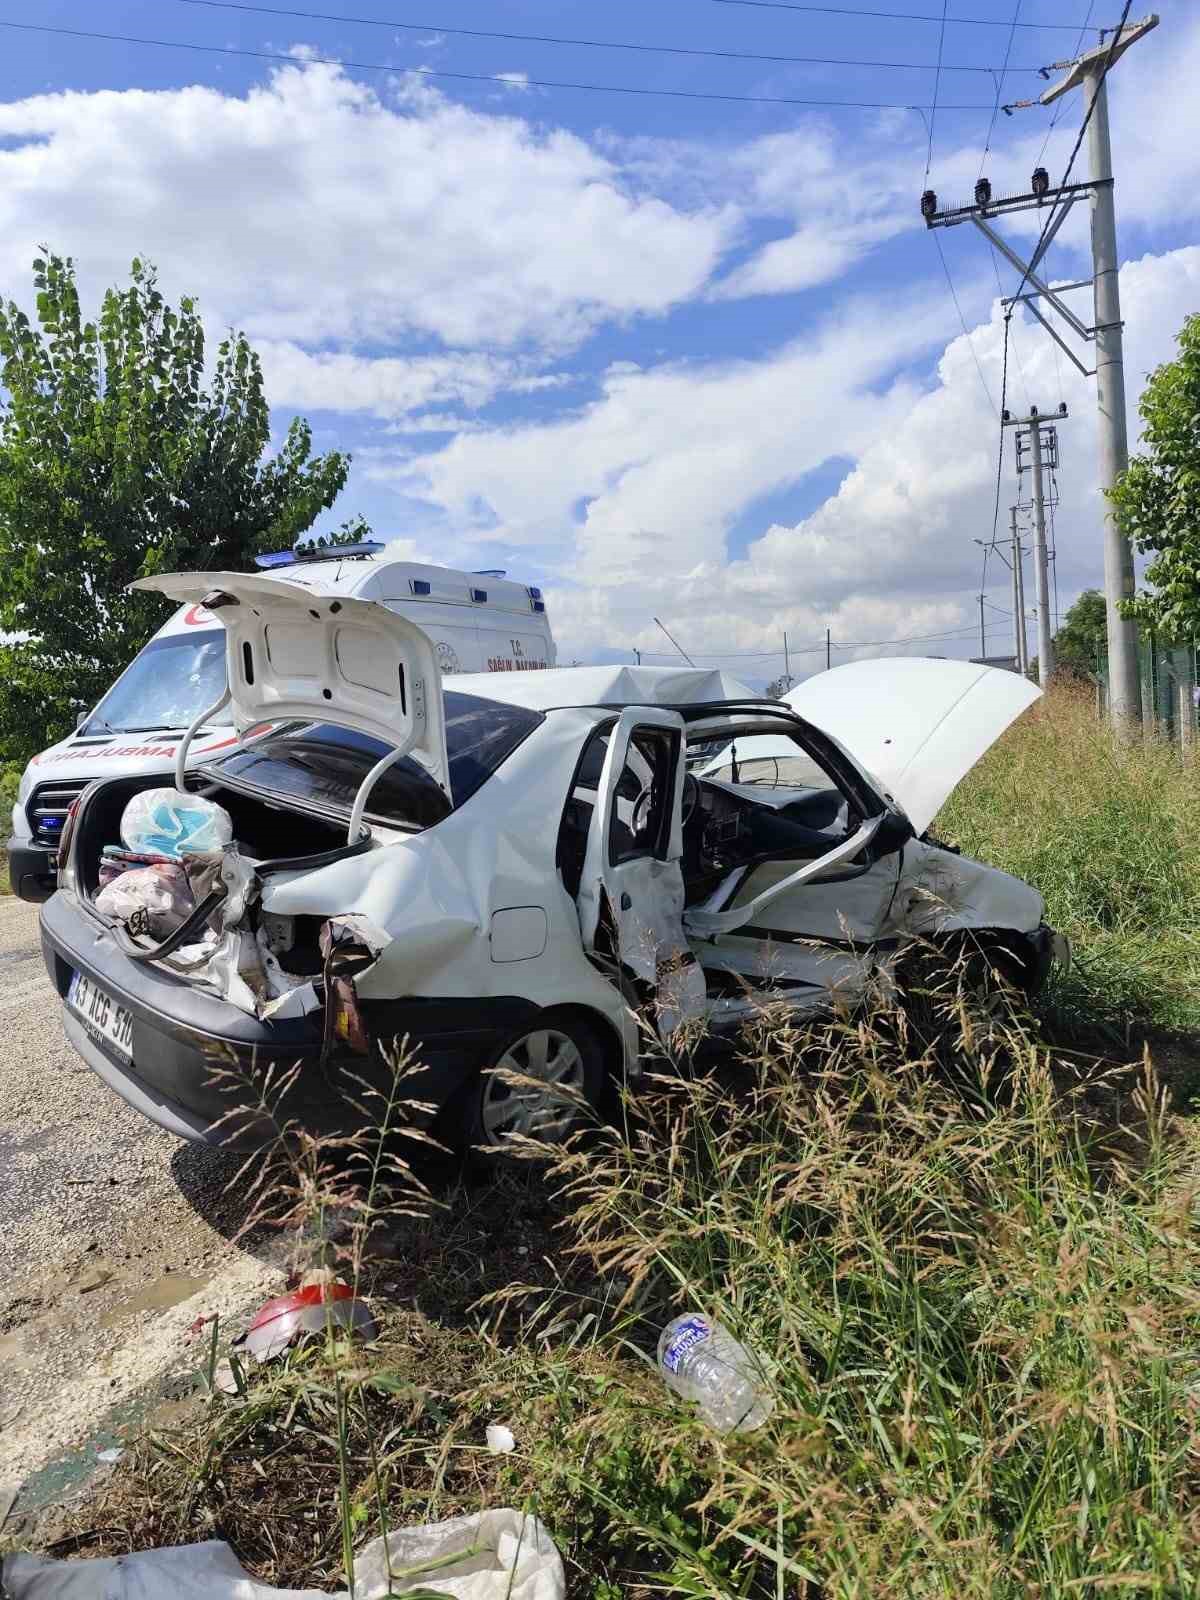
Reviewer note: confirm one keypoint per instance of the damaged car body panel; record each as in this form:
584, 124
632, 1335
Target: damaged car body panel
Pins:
515, 877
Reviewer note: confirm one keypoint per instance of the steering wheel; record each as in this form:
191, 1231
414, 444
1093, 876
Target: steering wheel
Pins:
641, 806
691, 797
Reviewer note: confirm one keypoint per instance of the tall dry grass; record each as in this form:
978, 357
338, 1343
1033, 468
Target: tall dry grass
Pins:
979, 1303
1110, 833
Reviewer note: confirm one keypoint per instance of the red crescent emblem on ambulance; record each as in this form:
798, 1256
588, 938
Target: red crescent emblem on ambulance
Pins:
196, 616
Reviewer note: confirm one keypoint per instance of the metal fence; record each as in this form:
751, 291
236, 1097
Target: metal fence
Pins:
1170, 683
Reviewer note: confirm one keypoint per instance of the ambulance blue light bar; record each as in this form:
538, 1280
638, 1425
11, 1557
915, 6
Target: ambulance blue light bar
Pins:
321, 552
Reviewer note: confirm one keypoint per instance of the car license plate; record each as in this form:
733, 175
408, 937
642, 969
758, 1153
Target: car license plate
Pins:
107, 1022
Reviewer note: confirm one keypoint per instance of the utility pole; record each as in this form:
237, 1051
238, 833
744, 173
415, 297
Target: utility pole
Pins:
1088, 72
787, 665
1018, 577
828, 650
982, 633
1041, 571
1039, 431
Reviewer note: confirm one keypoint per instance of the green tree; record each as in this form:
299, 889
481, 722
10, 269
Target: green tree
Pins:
1082, 636
1158, 496
354, 530
118, 461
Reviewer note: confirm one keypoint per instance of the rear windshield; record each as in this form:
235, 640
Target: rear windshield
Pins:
166, 686
324, 764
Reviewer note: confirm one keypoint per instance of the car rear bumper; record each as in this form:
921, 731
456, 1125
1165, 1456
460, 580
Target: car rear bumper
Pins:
32, 870
202, 1069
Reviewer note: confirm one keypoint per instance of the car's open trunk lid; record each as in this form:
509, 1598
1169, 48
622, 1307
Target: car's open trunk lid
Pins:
296, 655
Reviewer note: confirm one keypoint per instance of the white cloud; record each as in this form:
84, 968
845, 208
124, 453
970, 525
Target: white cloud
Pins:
669, 459
357, 216
382, 386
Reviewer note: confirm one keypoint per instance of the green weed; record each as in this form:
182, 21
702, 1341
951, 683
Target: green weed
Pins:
1110, 834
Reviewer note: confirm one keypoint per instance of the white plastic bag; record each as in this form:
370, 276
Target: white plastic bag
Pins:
158, 898
514, 1559
168, 822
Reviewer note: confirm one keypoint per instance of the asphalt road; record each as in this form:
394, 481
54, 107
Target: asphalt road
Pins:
114, 1236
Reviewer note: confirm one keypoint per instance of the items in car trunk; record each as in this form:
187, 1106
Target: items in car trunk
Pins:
114, 861
152, 900
171, 823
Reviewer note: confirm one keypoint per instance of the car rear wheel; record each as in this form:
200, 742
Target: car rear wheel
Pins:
543, 1085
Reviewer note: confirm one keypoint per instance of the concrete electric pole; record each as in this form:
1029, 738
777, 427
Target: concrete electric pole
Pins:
1089, 72
1038, 430
1018, 597
1041, 569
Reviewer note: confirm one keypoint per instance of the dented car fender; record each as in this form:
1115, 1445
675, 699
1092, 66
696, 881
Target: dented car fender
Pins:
940, 892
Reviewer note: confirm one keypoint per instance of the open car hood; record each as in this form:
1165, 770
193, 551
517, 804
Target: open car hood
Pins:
296, 655
916, 724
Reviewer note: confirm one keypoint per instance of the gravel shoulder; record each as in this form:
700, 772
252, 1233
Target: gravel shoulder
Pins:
115, 1237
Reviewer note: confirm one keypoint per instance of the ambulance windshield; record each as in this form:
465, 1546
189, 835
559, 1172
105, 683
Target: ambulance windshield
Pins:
165, 686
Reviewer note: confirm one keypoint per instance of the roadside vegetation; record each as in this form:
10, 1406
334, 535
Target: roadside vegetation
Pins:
1109, 832
10, 777
961, 1236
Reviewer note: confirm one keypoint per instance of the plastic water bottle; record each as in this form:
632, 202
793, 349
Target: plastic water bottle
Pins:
702, 1361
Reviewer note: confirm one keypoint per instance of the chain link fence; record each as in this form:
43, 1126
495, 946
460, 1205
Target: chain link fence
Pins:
1170, 686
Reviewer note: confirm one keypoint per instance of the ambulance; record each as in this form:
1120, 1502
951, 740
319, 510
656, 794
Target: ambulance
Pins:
477, 621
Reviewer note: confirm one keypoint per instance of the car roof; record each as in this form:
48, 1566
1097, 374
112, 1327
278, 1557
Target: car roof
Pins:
556, 687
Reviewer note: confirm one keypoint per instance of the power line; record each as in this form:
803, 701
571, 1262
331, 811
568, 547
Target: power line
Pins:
816, 649
936, 86
987, 143
472, 77
1062, 104
588, 44
902, 16
1015, 351
963, 322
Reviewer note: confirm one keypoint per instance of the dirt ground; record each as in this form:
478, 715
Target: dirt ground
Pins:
115, 1239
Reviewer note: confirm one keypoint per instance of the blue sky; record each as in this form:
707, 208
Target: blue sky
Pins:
687, 358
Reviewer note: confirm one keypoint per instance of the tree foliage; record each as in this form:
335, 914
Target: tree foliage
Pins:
117, 461
354, 530
1158, 496
1082, 636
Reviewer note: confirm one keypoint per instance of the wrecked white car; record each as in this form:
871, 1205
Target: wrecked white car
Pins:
502, 872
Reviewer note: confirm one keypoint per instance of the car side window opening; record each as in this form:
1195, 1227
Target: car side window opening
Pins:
641, 818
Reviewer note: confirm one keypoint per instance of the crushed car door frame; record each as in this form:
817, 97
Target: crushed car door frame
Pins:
631, 892
877, 830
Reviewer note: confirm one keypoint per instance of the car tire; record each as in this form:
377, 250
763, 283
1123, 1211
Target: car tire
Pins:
559, 1048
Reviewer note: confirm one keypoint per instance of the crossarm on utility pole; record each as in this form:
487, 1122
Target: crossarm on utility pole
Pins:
1088, 372
1047, 238
1030, 276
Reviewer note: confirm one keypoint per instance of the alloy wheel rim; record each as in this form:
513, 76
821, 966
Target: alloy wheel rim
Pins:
535, 1109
